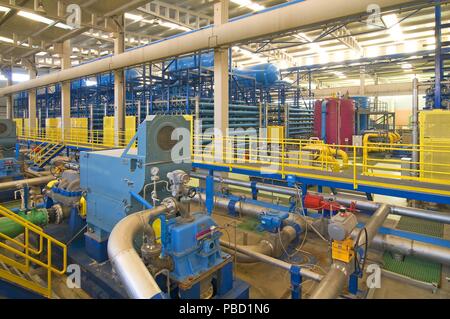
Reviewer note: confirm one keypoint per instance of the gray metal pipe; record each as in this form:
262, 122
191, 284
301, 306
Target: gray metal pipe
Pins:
22, 183
247, 209
372, 226
133, 273
408, 247
333, 283
271, 261
343, 200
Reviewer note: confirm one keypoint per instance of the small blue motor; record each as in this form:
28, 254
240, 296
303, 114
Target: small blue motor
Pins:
272, 221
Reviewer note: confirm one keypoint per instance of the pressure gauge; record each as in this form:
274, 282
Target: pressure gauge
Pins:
154, 171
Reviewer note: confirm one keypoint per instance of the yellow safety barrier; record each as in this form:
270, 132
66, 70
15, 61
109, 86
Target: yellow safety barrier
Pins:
75, 137
314, 159
25, 255
309, 158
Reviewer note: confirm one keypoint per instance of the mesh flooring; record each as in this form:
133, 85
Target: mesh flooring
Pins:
410, 266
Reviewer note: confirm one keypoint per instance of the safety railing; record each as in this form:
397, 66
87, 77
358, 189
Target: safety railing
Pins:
77, 137
20, 254
342, 163
348, 163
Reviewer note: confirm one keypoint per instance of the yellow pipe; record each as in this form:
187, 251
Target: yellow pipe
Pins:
329, 154
343, 155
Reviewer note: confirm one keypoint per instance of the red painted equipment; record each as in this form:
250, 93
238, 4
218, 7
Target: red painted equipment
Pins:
339, 123
317, 202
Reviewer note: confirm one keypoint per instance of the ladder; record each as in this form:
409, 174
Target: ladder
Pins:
44, 152
18, 256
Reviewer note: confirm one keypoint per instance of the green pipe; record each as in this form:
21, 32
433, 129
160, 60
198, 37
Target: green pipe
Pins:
12, 229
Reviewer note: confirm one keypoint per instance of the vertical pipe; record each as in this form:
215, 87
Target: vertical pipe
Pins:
438, 55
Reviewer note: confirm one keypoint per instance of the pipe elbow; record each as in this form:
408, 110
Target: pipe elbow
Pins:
133, 273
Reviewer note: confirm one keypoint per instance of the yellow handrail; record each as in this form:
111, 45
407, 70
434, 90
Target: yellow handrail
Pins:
30, 255
291, 156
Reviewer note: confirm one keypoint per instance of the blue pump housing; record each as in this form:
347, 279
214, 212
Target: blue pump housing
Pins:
194, 246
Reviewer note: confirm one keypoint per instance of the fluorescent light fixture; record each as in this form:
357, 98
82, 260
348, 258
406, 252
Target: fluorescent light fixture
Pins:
133, 17
340, 74
35, 17
395, 30
63, 26
407, 66
4, 9
8, 40
170, 25
39, 18
249, 4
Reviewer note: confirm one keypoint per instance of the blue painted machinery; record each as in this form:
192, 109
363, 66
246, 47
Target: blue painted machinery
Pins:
184, 249
118, 181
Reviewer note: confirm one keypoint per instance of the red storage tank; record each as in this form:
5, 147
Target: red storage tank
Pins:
340, 120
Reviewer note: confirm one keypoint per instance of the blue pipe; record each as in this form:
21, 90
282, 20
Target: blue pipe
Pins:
141, 200
324, 120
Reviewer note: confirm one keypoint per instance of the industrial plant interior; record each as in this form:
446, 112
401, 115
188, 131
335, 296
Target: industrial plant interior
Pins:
224, 149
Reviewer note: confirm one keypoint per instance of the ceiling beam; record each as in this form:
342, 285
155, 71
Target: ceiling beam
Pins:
276, 22
193, 20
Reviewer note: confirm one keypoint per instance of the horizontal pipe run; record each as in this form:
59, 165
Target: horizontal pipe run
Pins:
414, 248
343, 200
256, 26
271, 261
26, 182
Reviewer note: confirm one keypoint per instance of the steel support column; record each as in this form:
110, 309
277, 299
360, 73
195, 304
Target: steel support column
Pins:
119, 86
66, 51
32, 101
221, 85
9, 100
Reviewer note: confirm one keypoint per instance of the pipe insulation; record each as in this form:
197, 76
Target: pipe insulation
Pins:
343, 200
133, 273
26, 182
269, 22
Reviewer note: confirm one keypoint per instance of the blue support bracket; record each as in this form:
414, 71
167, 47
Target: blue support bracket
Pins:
232, 208
254, 190
353, 283
296, 281
209, 202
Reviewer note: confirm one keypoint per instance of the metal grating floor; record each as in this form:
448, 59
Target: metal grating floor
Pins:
421, 226
410, 266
